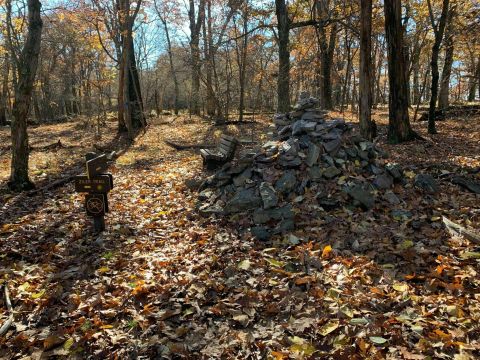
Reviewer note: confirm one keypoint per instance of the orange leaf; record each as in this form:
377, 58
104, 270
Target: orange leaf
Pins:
278, 355
303, 280
440, 269
326, 251
410, 277
442, 335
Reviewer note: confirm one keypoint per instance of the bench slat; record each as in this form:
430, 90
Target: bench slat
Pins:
226, 142
227, 137
224, 152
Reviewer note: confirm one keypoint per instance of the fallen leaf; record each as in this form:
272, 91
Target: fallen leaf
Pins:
326, 251
244, 265
329, 327
378, 340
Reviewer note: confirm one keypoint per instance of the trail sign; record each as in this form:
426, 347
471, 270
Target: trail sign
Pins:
99, 183
95, 204
96, 184
97, 166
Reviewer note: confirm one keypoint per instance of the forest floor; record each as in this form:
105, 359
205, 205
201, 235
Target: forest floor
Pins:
163, 281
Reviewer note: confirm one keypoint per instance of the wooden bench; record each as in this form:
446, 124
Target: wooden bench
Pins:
222, 154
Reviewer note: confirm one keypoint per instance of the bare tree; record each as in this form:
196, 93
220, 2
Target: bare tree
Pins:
438, 29
283, 80
163, 19
26, 66
443, 96
196, 20
399, 129
367, 126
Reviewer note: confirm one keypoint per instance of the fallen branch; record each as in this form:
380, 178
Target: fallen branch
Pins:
467, 184
177, 146
56, 145
6, 325
235, 122
54, 184
460, 230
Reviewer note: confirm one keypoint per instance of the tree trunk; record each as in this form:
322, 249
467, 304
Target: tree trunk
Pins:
4, 94
439, 30
443, 98
27, 68
474, 79
242, 62
209, 65
367, 126
129, 83
195, 27
327, 48
283, 80
399, 129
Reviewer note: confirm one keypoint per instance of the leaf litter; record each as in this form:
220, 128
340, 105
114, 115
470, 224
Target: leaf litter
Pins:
162, 281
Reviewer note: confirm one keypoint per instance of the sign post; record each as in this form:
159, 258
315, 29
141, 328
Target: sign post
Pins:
96, 184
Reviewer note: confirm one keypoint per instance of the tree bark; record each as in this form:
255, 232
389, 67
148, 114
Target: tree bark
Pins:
27, 68
196, 21
399, 129
283, 80
367, 126
438, 30
443, 97
474, 79
241, 50
4, 94
327, 48
129, 83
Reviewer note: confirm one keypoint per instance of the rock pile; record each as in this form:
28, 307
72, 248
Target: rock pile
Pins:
313, 159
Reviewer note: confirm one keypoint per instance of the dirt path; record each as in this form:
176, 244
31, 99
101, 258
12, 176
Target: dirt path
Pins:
163, 281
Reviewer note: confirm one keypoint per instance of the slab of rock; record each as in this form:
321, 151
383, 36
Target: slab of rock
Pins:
391, 198
315, 173
244, 199
395, 171
242, 178
400, 214
284, 226
261, 216
332, 146
467, 184
363, 196
269, 196
287, 182
290, 161
383, 181
303, 126
331, 172
312, 154
262, 233
426, 182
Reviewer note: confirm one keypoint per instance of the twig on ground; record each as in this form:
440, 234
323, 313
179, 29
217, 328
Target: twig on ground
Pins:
460, 230
6, 325
54, 184
188, 146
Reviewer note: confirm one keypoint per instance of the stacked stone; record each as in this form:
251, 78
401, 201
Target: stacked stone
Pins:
310, 153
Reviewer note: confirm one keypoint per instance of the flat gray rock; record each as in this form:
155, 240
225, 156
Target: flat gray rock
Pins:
244, 199
395, 170
332, 146
312, 154
287, 182
426, 182
261, 233
363, 196
383, 181
269, 196
391, 198
331, 172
